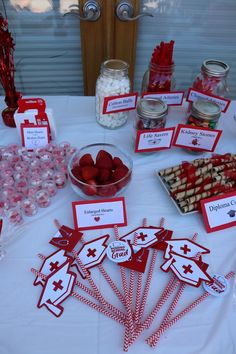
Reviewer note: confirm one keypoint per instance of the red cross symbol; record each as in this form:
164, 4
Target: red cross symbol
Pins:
91, 252
185, 249
142, 236
187, 269
54, 266
57, 285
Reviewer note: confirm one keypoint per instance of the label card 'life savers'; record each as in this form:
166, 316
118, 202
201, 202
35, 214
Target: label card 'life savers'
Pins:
174, 98
115, 104
219, 212
34, 136
154, 140
97, 214
194, 95
196, 138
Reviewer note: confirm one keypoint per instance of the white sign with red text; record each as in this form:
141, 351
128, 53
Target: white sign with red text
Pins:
97, 214
196, 138
219, 212
115, 104
174, 98
34, 136
153, 140
194, 95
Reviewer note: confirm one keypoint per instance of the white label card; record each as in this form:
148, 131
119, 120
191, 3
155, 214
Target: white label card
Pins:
120, 103
196, 138
154, 140
170, 98
34, 136
219, 212
99, 214
194, 95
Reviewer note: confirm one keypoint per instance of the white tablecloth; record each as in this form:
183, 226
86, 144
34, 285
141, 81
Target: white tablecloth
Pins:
25, 329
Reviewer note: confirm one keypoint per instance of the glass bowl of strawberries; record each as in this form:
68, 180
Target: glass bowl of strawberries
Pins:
99, 171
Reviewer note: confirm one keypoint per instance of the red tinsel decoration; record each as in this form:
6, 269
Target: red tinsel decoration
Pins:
7, 68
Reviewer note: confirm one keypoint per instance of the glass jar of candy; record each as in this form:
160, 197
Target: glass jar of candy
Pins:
213, 78
113, 81
151, 114
158, 78
203, 114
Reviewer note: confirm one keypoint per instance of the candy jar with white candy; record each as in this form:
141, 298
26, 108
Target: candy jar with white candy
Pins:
113, 81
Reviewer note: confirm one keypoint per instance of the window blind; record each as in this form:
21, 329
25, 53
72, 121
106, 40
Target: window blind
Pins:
47, 47
203, 29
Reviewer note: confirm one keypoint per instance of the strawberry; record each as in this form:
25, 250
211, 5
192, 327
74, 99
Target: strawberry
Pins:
117, 162
103, 175
119, 173
91, 188
104, 160
86, 160
103, 154
89, 172
107, 191
77, 172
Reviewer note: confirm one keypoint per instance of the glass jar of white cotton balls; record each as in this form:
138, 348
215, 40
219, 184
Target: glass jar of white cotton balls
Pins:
113, 81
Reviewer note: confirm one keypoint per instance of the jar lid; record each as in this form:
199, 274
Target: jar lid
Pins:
206, 110
215, 68
151, 108
115, 65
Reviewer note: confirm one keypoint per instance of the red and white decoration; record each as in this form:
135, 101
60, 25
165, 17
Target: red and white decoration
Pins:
130, 253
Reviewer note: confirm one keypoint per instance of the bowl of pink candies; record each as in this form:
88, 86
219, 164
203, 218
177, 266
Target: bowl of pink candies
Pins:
30, 179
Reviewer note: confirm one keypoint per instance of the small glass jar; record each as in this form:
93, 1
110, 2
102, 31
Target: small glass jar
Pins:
158, 78
113, 81
213, 78
203, 114
151, 114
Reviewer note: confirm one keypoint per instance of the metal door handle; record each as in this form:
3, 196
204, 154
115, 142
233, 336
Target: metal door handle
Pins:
125, 11
91, 11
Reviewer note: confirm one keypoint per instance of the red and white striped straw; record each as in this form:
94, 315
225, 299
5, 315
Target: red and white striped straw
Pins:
129, 326
149, 278
172, 284
187, 309
91, 293
86, 301
97, 292
139, 288
173, 304
102, 270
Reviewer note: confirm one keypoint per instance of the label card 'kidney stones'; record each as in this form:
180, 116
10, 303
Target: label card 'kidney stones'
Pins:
219, 212
97, 214
196, 138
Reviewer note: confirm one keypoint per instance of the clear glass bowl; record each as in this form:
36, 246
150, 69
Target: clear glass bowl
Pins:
95, 190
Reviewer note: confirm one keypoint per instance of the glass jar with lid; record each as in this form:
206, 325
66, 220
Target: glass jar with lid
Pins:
213, 78
159, 78
203, 114
151, 114
113, 81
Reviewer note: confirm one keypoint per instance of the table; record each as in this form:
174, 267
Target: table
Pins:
25, 329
